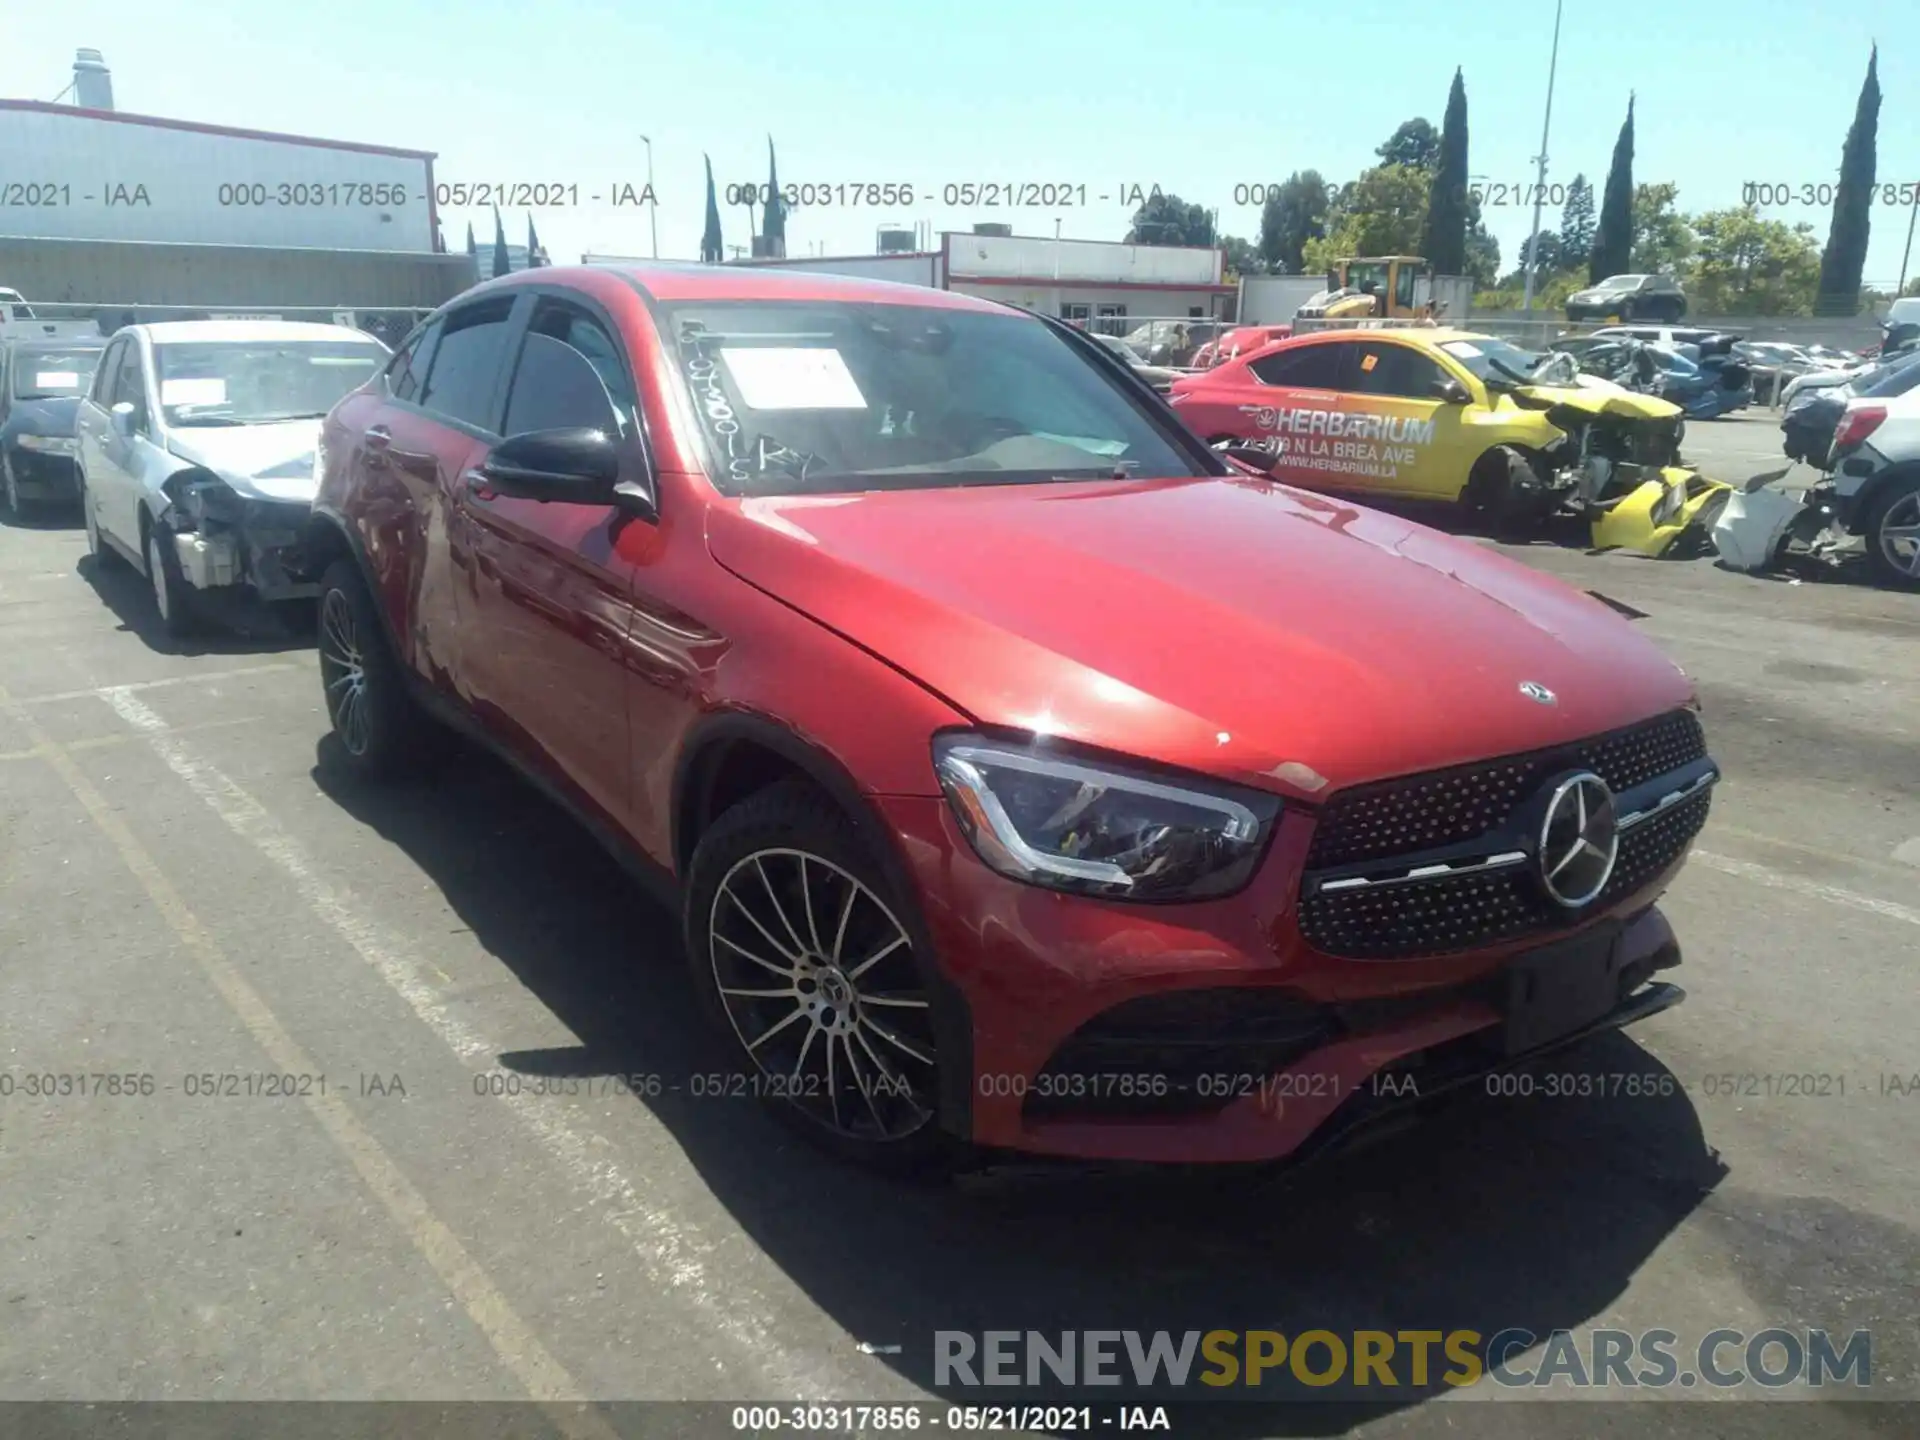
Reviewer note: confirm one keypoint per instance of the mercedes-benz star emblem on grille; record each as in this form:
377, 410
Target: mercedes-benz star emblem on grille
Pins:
1579, 840
1534, 690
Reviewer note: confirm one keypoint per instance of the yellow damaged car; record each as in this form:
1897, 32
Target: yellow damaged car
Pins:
1425, 414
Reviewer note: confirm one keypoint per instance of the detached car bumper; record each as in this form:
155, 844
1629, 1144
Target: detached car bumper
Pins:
1220, 1031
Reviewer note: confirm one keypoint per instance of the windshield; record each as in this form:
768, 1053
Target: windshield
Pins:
256, 382
824, 396
1621, 282
45, 374
1894, 379
1498, 363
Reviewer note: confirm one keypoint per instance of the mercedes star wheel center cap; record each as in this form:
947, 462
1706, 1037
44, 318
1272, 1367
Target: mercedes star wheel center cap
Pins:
1579, 840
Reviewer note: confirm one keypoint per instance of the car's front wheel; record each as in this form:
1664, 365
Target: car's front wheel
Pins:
173, 598
10, 502
1892, 528
103, 554
800, 950
377, 721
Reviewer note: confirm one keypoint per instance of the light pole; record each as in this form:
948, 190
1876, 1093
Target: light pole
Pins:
653, 205
1540, 180
1907, 254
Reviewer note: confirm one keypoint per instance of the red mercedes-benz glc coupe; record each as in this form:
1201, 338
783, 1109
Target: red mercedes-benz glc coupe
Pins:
1025, 773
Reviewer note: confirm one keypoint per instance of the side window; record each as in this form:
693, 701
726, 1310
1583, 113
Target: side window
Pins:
410, 366
102, 392
1309, 367
131, 385
570, 374
1397, 370
466, 364
1403, 287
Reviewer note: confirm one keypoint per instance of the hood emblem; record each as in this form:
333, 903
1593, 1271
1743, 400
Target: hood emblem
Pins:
1579, 840
1539, 693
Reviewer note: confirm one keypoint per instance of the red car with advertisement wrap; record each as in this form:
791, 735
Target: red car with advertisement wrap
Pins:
1024, 775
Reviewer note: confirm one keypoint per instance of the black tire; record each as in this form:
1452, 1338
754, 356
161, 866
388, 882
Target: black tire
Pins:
174, 601
1502, 490
380, 728
11, 505
1898, 500
797, 857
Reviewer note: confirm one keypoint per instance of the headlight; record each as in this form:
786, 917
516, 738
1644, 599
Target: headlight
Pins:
49, 444
1101, 830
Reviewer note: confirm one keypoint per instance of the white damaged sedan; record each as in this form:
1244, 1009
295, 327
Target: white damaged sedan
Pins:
196, 448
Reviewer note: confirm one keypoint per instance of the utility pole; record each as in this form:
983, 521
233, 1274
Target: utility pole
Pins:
653, 205
1540, 179
1907, 253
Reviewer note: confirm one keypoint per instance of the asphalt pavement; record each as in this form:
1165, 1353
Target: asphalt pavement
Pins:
406, 1102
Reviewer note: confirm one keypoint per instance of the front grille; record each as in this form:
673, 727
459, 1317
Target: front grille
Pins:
1448, 807
1449, 913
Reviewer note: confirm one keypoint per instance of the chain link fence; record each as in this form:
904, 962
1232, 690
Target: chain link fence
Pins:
387, 325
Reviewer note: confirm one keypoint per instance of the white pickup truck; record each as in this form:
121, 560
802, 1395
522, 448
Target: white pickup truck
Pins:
17, 321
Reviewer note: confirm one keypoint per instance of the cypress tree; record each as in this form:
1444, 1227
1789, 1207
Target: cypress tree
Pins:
711, 249
1613, 241
1443, 238
1846, 252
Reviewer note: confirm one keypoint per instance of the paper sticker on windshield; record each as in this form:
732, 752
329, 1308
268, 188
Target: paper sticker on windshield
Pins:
810, 378
197, 391
57, 380
1367, 362
1462, 350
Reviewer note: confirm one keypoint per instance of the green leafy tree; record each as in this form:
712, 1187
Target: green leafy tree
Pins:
1169, 220
1295, 212
711, 249
1242, 256
1913, 288
1379, 214
1749, 266
1577, 225
1415, 145
774, 225
1613, 236
1846, 252
1443, 234
1662, 239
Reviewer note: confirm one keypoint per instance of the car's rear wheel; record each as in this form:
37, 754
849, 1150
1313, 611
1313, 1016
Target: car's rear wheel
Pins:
1892, 528
10, 501
173, 598
801, 951
375, 718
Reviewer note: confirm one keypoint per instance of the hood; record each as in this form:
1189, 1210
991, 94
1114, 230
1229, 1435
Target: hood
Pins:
1232, 626
52, 416
261, 462
1593, 400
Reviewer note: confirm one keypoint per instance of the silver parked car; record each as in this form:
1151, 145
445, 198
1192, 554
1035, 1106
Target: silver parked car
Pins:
196, 449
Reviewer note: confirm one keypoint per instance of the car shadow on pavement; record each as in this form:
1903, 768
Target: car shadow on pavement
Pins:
227, 626
1493, 1214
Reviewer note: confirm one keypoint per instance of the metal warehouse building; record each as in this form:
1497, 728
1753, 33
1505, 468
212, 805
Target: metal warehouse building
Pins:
104, 207
1086, 280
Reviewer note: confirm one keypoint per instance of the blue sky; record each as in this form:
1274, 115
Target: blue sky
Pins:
1196, 97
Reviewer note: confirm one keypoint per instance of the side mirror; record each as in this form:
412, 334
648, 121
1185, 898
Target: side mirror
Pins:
1451, 391
121, 417
571, 467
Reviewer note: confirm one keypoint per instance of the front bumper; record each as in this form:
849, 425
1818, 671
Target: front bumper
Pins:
250, 543
40, 476
1291, 1046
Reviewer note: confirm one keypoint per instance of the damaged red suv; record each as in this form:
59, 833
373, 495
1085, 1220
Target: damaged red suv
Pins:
1025, 773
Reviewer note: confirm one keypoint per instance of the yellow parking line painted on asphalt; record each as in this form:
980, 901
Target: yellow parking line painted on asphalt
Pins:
104, 742
543, 1377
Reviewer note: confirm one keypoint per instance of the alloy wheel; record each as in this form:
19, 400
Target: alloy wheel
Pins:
817, 978
1900, 535
343, 671
92, 521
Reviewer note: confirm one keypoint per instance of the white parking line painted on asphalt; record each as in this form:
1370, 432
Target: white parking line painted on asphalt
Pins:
513, 1340
99, 692
674, 1254
1813, 889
